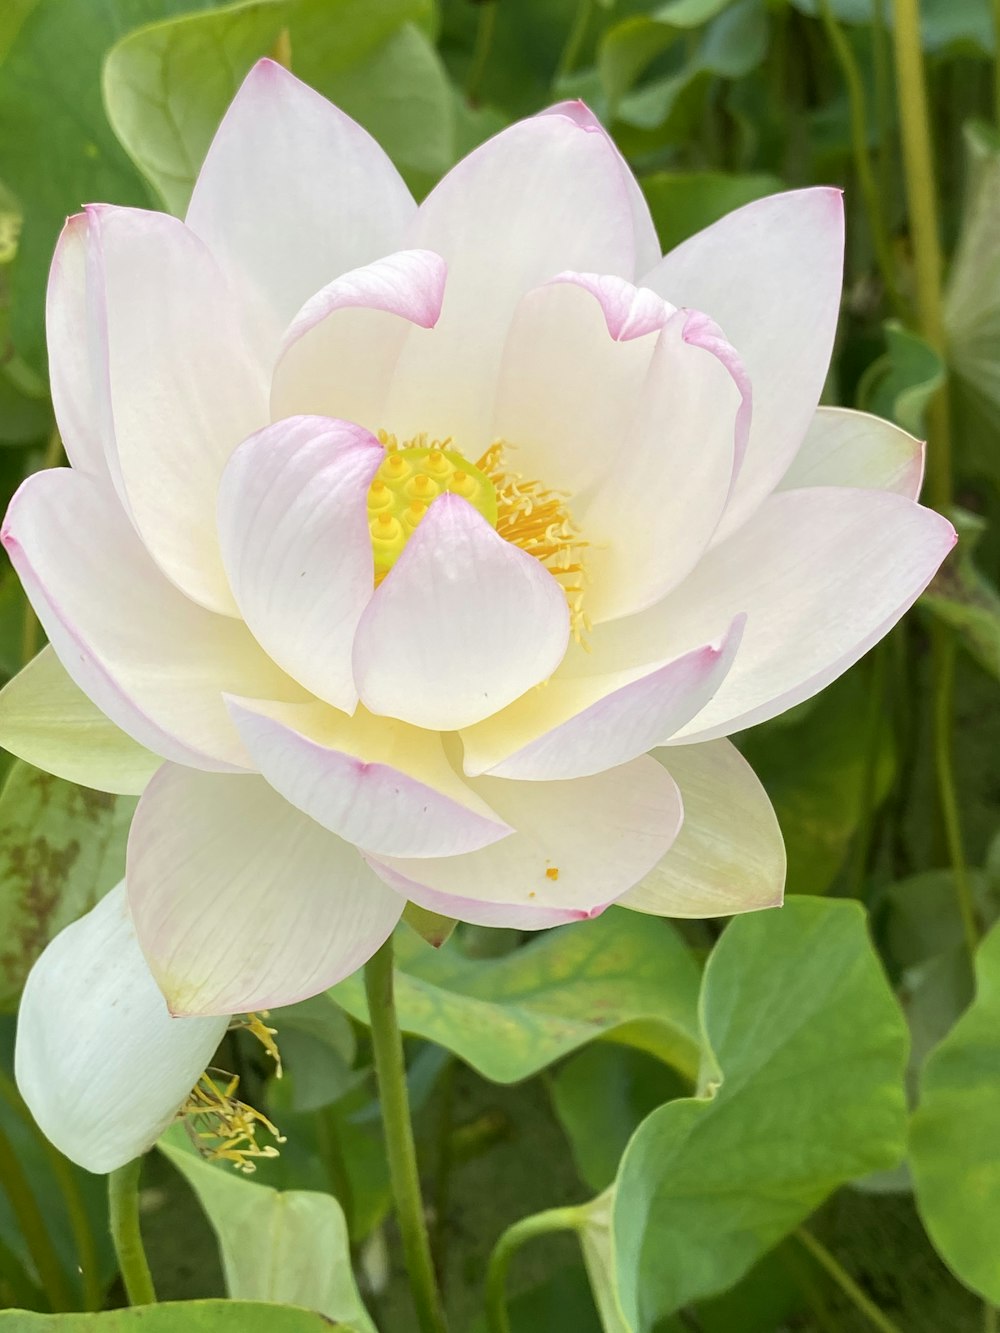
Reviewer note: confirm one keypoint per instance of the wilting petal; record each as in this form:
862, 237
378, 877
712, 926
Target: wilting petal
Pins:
184, 389
463, 624
339, 353
729, 855
847, 448
100, 1062
770, 275
647, 245
149, 658
293, 525
822, 575
543, 196
383, 785
567, 387
70, 333
293, 193
579, 846
573, 727
48, 721
240, 902
655, 511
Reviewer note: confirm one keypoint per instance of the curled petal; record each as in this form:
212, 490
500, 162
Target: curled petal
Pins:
100, 1062
239, 901
578, 847
847, 448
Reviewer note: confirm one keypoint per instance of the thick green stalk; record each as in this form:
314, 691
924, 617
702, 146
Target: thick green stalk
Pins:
126, 1233
540, 1224
387, 1044
921, 193
846, 1283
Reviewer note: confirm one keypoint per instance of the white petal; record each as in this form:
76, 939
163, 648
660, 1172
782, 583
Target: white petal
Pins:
822, 575
339, 353
293, 193
184, 389
542, 196
155, 663
770, 275
385, 786
49, 722
729, 855
463, 623
577, 726
847, 448
579, 846
99, 1060
655, 511
293, 525
239, 901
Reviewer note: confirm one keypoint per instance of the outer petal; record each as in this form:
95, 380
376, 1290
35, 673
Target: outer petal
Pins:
542, 196
184, 389
847, 448
729, 855
463, 624
151, 660
647, 245
69, 329
100, 1062
770, 274
580, 726
579, 846
294, 193
239, 901
655, 512
385, 786
822, 574
339, 353
293, 526
48, 721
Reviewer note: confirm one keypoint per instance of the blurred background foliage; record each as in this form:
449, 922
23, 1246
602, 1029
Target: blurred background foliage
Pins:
550, 1070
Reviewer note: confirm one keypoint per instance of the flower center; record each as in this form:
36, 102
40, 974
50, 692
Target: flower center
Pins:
524, 512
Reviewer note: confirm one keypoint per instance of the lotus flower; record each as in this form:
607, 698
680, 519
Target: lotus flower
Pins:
396, 537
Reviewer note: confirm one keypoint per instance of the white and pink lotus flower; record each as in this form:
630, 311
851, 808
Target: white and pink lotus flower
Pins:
395, 538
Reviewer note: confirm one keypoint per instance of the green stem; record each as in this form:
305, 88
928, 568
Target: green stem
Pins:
442, 1174
943, 664
883, 98
31, 1224
844, 56
540, 1224
387, 1044
846, 1283
869, 777
332, 1154
996, 58
570, 56
481, 51
126, 1233
990, 1323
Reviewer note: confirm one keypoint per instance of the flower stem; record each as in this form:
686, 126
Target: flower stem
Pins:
126, 1234
539, 1224
387, 1043
845, 1282
481, 50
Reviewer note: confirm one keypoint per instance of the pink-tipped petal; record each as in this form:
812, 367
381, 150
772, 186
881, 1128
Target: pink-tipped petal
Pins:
647, 243
578, 847
822, 575
103, 1067
654, 513
293, 193
184, 389
293, 526
847, 448
385, 786
242, 903
770, 275
338, 355
151, 660
542, 196
463, 623
574, 727
729, 856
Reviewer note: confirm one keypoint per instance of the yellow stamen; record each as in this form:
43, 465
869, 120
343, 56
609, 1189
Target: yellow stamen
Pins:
222, 1127
254, 1024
